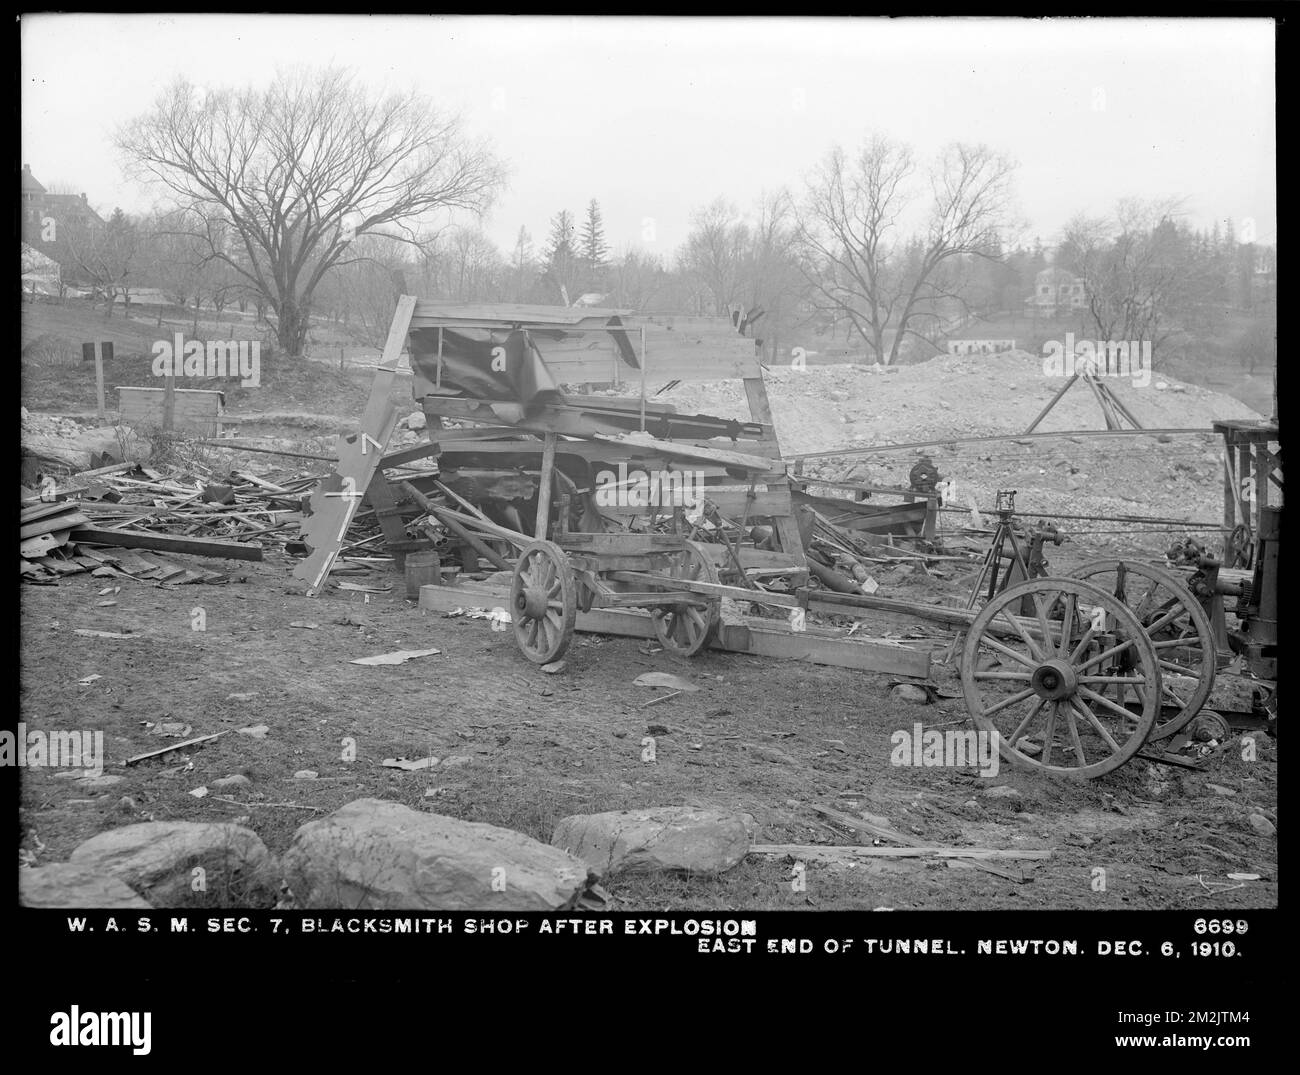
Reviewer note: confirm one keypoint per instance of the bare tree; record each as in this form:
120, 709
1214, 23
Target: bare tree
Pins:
861, 263
300, 169
108, 258
476, 270
1138, 272
714, 254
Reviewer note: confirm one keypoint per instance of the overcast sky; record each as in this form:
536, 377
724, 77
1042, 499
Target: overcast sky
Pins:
656, 117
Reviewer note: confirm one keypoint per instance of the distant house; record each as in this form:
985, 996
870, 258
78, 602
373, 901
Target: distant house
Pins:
979, 347
1056, 292
39, 205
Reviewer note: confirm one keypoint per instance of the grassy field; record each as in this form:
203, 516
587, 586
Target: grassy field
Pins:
54, 379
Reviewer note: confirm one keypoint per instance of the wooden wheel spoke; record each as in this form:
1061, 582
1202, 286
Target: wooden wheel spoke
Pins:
1164, 621
1049, 732
1097, 725
1023, 726
1112, 652
1107, 704
1084, 642
1147, 600
1024, 635
1017, 677
1067, 621
1074, 734
1010, 700
1007, 651
1186, 642
1109, 679
1041, 612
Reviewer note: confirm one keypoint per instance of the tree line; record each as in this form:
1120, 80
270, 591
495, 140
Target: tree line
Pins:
315, 199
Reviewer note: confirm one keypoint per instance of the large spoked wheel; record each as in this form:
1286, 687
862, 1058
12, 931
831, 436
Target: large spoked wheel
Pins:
1178, 627
685, 629
1072, 690
543, 602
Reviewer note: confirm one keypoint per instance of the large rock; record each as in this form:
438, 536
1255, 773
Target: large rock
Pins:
676, 838
65, 884
378, 855
159, 859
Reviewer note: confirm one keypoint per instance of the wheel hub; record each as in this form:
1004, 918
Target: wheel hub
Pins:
531, 602
1053, 680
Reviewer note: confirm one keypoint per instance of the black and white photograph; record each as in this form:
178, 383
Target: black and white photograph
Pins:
544, 473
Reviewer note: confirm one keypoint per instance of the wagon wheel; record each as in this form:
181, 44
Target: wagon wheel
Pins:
685, 628
543, 602
1030, 679
1178, 627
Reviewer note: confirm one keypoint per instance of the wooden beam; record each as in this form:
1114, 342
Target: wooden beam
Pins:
754, 636
857, 852
544, 483
52, 524
762, 639
336, 499
141, 539
99, 379
759, 465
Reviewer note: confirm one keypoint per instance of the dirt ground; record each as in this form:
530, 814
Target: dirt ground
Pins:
770, 738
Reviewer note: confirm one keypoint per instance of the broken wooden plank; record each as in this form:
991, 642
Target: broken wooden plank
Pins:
142, 539
335, 500
177, 746
42, 511
38, 546
166, 570
60, 567
921, 851
758, 464
883, 832
52, 524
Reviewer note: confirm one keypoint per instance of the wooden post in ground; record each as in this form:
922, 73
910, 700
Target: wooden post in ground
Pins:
99, 378
169, 400
544, 486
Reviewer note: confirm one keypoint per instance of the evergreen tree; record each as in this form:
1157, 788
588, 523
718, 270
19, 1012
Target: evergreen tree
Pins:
562, 268
561, 243
594, 248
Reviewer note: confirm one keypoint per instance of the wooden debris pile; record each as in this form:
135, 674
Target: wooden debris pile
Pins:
112, 521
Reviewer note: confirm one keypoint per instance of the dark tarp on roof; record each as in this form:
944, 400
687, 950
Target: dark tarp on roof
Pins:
468, 360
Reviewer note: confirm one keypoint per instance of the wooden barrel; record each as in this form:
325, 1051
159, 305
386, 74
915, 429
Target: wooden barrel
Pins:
422, 569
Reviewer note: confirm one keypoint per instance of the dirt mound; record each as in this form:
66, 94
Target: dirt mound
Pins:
824, 407
1173, 476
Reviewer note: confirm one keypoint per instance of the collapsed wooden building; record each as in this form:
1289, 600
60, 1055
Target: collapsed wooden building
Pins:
625, 489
